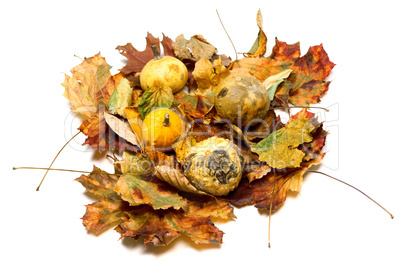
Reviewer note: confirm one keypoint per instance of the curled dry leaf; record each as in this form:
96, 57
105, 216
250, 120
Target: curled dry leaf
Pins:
260, 45
122, 129
195, 48
176, 178
166, 168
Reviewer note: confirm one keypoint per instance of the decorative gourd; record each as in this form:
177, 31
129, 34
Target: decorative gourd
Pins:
164, 71
214, 166
161, 127
240, 98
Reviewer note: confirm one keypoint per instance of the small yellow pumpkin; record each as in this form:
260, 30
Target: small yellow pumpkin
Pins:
164, 71
161, 127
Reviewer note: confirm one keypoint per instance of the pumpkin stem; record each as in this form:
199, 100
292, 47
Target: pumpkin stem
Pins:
156, 52
166, 122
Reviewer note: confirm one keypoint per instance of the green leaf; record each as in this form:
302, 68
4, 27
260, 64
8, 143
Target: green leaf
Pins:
138, 190
155, 98
271, 83
279, 149
120, 98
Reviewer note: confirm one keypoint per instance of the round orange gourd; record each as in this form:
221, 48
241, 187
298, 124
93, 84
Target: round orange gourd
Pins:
161, 127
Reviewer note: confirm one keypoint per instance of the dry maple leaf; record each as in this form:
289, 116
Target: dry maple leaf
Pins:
274, 185
136, 60
306, 85
140, 189
161, 227
279, 149
109, 210
89, 90
272, 188
85, 88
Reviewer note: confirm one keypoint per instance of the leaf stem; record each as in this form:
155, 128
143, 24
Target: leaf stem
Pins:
51, 169
227, 33
156, 52
63, 170
37, 189
318, 172
311, 107
166, 121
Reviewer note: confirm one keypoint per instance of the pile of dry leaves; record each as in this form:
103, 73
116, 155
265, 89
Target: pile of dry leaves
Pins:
151, 193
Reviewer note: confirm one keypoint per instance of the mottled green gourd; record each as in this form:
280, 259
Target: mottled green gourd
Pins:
242, 99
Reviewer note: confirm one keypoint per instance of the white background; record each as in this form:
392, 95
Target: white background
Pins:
327, 229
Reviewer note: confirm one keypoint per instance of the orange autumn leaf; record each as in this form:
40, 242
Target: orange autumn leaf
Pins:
161, 227
306, 85
272, 188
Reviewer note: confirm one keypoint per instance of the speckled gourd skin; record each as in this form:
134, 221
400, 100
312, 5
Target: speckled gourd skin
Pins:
240, 98
165, 72
214, 165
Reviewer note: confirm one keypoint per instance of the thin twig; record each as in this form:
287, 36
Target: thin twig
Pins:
318, 172
37, 189
227, 34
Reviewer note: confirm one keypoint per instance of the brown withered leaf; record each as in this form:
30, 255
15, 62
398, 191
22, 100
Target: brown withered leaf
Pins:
257, 170
272, 188
136, 60
161, 227
167, 44
195, 48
